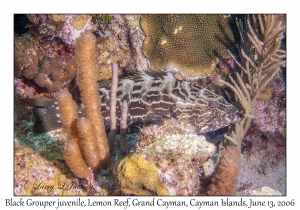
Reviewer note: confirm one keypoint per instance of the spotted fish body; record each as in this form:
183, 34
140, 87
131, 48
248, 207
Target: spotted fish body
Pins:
153, 97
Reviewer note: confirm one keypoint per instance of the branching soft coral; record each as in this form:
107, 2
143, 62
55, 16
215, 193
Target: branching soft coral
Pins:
261, 59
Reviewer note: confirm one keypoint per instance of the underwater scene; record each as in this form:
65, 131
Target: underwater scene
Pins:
150, 105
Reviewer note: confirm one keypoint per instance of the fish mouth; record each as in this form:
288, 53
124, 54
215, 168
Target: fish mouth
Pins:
232, 117
235, 116
239, 114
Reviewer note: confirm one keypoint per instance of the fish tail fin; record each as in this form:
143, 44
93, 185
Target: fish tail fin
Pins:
46, 117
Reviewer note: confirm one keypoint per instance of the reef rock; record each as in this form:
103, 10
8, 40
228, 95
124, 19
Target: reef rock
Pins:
35, 175
177, 153
254, 190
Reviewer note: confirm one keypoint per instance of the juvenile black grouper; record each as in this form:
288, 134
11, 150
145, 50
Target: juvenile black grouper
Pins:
151, 98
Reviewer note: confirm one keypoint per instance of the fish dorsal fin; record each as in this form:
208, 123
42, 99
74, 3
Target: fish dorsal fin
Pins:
141, 75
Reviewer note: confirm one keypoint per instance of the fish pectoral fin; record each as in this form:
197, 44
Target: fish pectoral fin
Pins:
153, 118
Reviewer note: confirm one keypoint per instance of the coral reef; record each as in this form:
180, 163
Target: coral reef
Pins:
151, 133
48, 63
264, 146
67, 28
165, 159
27, 55
121, 43
52, 39
193, 44
73, 26
34, 175
259, 66
48, 146
270, 108
55, 72
102, 21
177, 154
264, 158
25, 90
134, 175
136, 41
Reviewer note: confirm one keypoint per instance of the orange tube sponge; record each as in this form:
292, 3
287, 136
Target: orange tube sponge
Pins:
225, 178
73, 157
67, 110
88, 142
72, 152
87, 82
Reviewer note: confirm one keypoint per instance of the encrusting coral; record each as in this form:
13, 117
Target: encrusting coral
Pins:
193, 44
87, 145
134, 175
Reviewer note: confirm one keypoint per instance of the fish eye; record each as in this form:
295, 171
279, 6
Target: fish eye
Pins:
211, 104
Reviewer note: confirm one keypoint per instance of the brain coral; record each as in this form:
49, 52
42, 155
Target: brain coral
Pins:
194, 44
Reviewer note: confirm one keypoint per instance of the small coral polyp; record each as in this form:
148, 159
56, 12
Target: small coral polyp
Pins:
194, 44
